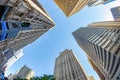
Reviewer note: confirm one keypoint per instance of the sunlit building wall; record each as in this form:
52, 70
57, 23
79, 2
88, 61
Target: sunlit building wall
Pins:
67, 67
91, 78
70, 7
25, 73
114, 24
102, 46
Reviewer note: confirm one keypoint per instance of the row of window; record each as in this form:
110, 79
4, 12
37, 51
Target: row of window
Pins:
3, 11
4, 25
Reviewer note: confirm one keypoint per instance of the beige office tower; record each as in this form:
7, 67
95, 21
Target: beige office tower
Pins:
113, 24
70, 7
102, 46
67, 67
25, 73
91, 78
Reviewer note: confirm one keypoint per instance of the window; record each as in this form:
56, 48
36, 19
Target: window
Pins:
21, 14
113, 62
8, 53
3, 11
7, 25
118, 64
25, 24
30, 16
0, 26
45, 27
3, 36
15, 25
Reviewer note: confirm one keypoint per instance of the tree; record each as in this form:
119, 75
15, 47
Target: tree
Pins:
44, 77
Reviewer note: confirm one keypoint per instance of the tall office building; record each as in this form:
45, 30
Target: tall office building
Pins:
25, 73
17, 55
91, 78
98, 2
91, 3
70, 7
67, 67
113, 24
102, 46
11, 77
107, 1
116, 13
21, 23
24, 10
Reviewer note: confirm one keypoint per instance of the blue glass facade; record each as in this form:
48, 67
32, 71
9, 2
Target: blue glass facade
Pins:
107, 1
10, 30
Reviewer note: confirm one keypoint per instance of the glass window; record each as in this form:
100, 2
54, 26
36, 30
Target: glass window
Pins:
25, 24
3, 36
45, 27
3, 11
15, 25
21, 14
0, 26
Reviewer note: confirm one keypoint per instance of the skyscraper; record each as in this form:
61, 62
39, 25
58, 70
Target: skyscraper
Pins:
13, 59
98, 2
107, 1
102, 46
113, 24
91, 78
25, 73
24, 10
67, 67
21, 23
116, 12
70, 7
91, 2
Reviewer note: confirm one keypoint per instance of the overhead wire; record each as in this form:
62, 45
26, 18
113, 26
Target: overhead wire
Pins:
52, 52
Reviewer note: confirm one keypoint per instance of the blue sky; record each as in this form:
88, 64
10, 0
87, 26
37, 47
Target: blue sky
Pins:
41, 54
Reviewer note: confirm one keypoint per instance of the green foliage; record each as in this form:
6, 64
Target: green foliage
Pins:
44, 77
19, 78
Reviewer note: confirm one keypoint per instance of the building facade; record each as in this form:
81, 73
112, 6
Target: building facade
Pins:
98, 2
67, 67
115, 24
25, 73
91, 3
11, 77
102, 46
91, 78
21, 23
17, 55
116, 13
107, 1
70, 7
24, 10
